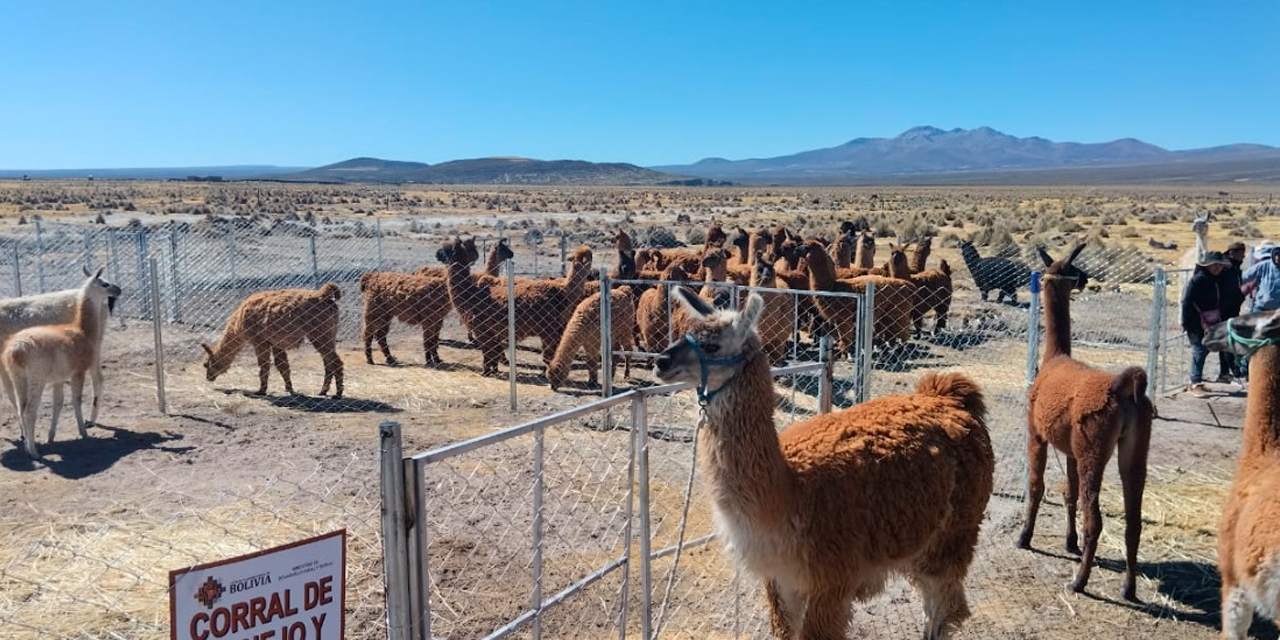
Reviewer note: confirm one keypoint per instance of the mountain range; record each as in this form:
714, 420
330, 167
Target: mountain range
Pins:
919, 156
953, 154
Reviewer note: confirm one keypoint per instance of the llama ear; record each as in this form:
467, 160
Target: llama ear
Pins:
86, 271
1044, 255
1075, 253
98, 274
206, 349
693, 303
750, 315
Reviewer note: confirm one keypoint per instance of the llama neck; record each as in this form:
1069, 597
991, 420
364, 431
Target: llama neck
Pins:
1057, 320
233, 339
1202, 244
743, 458
493, 266
970, 255
822, 274
865, 256
1261, 444
89, 316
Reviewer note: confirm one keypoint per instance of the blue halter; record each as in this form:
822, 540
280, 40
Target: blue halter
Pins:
704, 394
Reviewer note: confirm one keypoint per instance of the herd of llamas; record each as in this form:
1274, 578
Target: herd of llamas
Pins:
824, 511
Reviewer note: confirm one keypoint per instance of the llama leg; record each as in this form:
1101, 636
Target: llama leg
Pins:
263, 353
95, 376
56, 392
28, 407
77, 397
1037, 456
1071, 498
282, 365
826, 615
332, 368
1091, 484
384, 347
784, 609
430, 344
1237, 612
945, 605
1133, 477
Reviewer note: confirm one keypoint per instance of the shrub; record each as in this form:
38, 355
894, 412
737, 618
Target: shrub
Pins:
662, 238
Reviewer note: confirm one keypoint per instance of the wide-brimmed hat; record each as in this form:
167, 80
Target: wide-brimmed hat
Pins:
1213, 257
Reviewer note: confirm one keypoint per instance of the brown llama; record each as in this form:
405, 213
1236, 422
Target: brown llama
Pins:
470, 254
824, 512
583, 334
716, 237
656, 311
777, 322
273, 322
865, 253
842, 251
1248, 538
760, 245
57, 354
920, 256
482, 306
1084, 412
893, 304
932, 289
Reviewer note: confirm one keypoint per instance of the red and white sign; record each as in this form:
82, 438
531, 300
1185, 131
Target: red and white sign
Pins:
293, 592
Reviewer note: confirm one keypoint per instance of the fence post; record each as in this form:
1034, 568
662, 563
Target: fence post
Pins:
825, 382
143, 279
606, 335
17, 271
315, 264
40, 257
394, 544
564, 254
159, 340
1153, 348
511, 329
113, 257
175, 285
640, 417
501, 227
419, 559
628, 518
868, 341
378, 222
88, 250
536, 566
231, 251
1033, 366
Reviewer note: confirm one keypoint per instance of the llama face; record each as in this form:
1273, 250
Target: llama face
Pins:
1245, 334
1065, 270
214, 366
102, 288
710, 355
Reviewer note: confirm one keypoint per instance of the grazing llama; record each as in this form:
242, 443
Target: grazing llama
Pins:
826, 511
57, 354
58, 307
273, 322
1248, 538
1085, 413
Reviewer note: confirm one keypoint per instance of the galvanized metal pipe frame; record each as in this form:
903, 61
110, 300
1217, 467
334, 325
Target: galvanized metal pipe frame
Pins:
159, 341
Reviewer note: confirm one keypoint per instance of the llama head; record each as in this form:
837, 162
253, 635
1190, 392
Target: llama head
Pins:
1200, 226
501, 252
897, 262
711, 353
623, 241
1242, 335
626, 269
716, 236
109, 290
1064, 271
454, 253
582, 255
763, 274
470, 251
741, 239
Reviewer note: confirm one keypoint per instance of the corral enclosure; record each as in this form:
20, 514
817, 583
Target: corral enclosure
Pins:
92, 530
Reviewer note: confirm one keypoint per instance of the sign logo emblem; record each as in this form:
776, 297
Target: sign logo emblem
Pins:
209, 592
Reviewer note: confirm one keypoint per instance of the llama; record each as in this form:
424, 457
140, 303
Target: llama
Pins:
273, 322
999, 274
583, 333
1200, 227
1085, 412
895, 300
777, 321
471, 254
932, 289
421, 301
656, 312
824, 512
842, 251
865, 254
483, 307
56, 354
58, 307
920, 256
1248, 547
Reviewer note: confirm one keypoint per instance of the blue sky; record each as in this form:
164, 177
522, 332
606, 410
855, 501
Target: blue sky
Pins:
131, 84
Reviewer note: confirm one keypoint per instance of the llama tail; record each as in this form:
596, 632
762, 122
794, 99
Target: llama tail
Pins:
365, 279
1131, 384
331, 291
957, 386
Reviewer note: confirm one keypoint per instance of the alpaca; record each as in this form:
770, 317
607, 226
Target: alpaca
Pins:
865, 255
1085, 412
543, 307
740, 255
58, 307
777, 322
583, 333
760, 244
932, 289
1002, 275
842, 251
824, 512
471, 254
716, 237
656, 313
1248, 540
483, 307
414, 300
920, 257
894, 302
56, 354
273, 322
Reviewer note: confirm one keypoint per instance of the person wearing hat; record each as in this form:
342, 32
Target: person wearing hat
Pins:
1231, 298
1201, 309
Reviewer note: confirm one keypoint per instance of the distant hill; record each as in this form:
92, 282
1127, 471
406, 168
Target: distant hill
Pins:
929, 155
232, 172
488, 171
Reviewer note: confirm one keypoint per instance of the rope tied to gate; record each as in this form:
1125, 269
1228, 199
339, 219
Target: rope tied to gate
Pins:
684, 518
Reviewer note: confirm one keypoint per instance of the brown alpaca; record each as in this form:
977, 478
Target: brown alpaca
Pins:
583, 334
655, 312
740, 248
920, 257
932, 289
716, 237
1085, 412
470, 255
865, 255
543, 307
842, 251
58, 354
1248, 538
893, 304
482, 306
273, 322
421, 301
826, 511
777, 321
895, 300
760, 245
